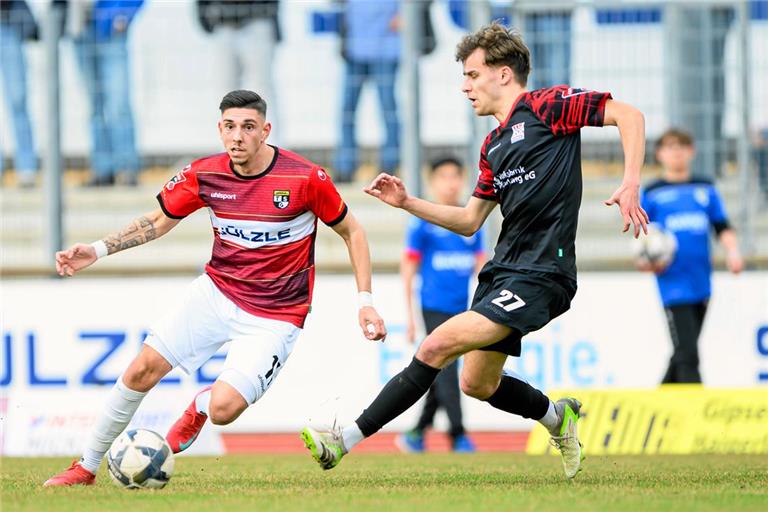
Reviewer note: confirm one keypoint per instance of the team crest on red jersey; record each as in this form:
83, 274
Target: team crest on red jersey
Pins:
281, 198
178, 178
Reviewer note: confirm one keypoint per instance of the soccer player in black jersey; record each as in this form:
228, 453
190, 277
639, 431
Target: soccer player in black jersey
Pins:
530, 165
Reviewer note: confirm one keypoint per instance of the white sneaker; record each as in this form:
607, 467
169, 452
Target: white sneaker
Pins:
568, 439
326, 448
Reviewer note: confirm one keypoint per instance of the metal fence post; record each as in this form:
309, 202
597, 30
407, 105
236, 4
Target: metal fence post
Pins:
53, 168
411, 121
743, 146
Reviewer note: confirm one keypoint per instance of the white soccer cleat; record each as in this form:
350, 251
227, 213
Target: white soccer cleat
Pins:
568, 441
327, 448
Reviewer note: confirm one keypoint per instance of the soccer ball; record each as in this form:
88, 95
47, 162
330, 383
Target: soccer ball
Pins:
658, 246
140, 459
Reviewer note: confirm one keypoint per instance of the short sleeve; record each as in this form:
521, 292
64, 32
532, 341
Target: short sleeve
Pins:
415, 239
180, 196
567, 109
484, 188
324, 200
716, 211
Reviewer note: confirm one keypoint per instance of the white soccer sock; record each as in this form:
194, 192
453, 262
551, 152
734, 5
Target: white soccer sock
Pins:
203, 401
121, 406
551, 420
351, 436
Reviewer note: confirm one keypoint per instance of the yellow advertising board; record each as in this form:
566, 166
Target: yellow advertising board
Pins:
676, 419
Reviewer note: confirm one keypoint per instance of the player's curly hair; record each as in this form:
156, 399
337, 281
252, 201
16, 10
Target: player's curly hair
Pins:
243, 99
503, 47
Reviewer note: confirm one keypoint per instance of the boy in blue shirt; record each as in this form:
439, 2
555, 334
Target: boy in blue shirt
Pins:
445, 261
689, 208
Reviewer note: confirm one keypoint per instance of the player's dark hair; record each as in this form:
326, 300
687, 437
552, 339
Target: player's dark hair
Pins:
243, 99
503, 47
678, 135
445, 160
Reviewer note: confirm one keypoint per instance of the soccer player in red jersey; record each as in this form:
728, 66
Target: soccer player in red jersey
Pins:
256, 291
530, 165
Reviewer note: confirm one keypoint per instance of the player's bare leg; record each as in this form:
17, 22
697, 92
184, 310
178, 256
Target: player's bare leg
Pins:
142, 374
222, 403
483, 377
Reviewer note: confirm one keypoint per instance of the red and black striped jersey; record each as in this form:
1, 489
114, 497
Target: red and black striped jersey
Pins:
531, 166
263, 226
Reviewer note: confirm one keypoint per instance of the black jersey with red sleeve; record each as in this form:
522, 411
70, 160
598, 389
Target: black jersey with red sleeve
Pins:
264, 228
531, 166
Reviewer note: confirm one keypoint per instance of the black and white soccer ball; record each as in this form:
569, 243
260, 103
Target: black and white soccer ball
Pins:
658, 246
140, 459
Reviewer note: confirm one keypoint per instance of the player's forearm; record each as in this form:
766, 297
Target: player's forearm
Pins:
360, 258
631, 125
454, 218
140, 231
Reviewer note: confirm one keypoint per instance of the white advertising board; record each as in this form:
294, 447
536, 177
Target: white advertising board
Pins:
65, 341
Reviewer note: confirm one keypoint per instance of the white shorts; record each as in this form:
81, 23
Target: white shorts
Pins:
190, 334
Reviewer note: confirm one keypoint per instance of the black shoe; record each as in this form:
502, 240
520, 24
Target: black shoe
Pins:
100, 181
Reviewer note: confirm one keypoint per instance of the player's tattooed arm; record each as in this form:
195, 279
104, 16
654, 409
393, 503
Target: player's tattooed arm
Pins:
140, 231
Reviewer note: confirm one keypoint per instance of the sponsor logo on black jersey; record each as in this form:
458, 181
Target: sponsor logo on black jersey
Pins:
281, 198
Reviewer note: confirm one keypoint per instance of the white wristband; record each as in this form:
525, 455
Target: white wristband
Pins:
101, 248
364, 299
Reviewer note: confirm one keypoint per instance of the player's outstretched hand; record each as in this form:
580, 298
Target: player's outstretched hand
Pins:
372, 324
74, 259
627, 196
389, 189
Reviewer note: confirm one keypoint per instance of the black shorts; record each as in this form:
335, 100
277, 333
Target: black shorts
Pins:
523, 300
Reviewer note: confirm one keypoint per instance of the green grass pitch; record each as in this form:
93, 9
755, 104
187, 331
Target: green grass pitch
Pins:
439, 482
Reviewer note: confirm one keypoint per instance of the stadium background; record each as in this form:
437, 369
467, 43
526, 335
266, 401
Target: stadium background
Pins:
64, 342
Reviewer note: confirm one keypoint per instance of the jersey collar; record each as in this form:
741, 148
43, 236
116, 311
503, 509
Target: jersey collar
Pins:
261, 174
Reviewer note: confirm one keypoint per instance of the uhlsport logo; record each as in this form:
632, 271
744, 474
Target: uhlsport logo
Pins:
221, 195
281, 198
178, 178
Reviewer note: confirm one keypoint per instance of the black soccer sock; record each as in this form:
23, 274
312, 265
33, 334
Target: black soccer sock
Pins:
518, 397
401, 392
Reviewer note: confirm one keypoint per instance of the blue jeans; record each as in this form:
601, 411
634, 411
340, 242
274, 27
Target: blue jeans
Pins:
383, 74
548, 36
105, 69
14, 70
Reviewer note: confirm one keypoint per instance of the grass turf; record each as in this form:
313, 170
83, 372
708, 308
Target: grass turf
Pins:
438, 482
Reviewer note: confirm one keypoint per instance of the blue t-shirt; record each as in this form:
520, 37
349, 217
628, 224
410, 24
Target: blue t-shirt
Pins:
447, 263
369, 36
689, 210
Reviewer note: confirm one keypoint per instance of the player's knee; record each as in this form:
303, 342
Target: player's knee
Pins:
223, 413
142, 375
434, 352
477, 388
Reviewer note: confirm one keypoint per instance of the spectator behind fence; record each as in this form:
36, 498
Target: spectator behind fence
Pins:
245, 33
100, 32
689, 208
371, 49
16, 26
446, 262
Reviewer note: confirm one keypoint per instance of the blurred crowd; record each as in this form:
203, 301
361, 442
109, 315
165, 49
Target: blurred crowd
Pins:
248, 33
